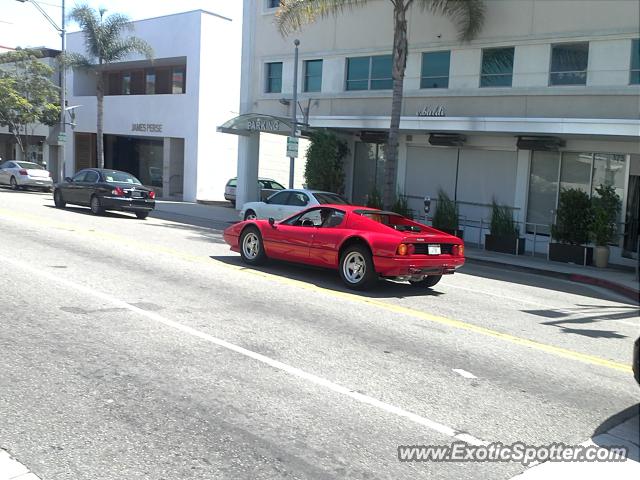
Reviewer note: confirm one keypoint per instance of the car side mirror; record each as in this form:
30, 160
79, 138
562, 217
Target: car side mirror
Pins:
272, 222
68, 179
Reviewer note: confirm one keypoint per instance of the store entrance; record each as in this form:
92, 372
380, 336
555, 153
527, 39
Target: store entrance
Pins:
142, 157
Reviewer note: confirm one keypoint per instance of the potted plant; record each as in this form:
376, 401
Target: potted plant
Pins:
606, 208
572, 229
446, 217
505, 235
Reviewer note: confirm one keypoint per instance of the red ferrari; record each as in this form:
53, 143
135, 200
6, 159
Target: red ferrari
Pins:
361, 243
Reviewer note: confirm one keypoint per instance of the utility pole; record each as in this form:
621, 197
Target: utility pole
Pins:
294, 107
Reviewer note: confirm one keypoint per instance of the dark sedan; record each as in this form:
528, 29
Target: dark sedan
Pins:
104, 189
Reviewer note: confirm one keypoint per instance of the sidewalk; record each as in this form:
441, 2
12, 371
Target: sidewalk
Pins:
11, 469
620, 281
626, 434
222, 214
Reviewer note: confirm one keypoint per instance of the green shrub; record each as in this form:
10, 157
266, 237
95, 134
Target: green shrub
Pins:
374, 200
606, 208
574, 217
401, 206
446, 216
325, 162
502, 223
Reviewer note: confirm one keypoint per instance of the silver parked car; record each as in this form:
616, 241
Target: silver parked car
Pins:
283, 204
267, 187
21, 174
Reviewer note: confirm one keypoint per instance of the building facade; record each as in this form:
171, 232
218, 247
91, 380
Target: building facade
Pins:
160, 115
546, 97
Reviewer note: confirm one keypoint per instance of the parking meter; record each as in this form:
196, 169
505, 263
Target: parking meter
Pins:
427, 204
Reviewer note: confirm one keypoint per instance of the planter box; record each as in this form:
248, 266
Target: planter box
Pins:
576, 254
498, 243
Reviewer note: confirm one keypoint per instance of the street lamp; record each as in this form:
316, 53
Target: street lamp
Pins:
63, 81
294, 107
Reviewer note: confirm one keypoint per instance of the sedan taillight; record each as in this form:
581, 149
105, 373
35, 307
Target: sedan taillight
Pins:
118, 192
23, 172
152, 194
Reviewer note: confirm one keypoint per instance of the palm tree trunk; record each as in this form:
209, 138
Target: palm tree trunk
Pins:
100, 126
398, 69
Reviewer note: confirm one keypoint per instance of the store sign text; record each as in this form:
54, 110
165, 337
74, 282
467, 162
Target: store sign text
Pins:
146, 127
432, 111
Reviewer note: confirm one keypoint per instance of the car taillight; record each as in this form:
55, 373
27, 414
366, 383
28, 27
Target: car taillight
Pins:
118, 192
152, 194
406, 249
458, 250
23, 172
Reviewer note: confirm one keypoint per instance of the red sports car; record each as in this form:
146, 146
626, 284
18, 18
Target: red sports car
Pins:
361, 243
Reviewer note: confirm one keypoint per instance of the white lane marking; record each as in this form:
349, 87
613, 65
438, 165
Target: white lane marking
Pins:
464, 373
294, 371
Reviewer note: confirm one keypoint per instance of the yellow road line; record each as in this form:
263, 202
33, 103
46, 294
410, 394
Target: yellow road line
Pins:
551, 349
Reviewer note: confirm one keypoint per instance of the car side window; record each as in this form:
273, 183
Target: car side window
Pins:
91, 177
298, 199
79, 177
335, 219
279, 198
311, 218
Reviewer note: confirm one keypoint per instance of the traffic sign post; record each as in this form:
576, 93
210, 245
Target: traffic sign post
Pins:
292, 147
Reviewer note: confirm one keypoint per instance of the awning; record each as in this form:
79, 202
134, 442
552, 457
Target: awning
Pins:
257, 122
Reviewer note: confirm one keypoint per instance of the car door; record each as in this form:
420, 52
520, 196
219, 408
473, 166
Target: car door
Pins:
291, 240
87, 187
327, 238
70, 190
274, 206
5, 173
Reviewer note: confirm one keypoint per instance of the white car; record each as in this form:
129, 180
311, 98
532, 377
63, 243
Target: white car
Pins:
21, 174
287, 202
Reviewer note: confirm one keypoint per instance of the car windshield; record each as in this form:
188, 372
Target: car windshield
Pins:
329, 198
30, 165
390, 219
113, 176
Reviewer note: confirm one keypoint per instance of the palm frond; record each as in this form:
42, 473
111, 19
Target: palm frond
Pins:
75, 60
125, 47
467, 15
89, 21
293, 14
115, 24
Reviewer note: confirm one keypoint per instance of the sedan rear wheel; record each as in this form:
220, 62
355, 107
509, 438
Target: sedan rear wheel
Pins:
252, 247
356, 268
58, 199
427, 282
14, 183
96, 206
142, 215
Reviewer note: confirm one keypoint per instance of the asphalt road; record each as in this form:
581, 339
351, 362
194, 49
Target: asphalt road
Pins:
145, 350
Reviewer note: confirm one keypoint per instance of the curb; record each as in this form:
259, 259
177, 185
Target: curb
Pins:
623, 290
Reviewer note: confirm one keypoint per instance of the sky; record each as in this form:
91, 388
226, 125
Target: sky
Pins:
21, 25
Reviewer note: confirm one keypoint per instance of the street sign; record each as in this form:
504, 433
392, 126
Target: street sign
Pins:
292, 147
62, 137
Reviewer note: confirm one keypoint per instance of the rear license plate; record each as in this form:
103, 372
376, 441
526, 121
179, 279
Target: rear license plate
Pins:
136, 194
433, 250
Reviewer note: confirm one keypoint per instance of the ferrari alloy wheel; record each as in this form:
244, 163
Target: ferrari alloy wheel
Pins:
427, 282
96, 206
58, 200
250, 215
251, 247
356, 268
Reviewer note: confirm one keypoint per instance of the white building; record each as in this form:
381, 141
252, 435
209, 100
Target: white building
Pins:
546, 97
160, 115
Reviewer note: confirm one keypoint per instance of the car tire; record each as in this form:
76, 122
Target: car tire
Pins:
142, 215
96, 206
356, 268
58, 199
252, 247
14, 183
250, 215
427, 282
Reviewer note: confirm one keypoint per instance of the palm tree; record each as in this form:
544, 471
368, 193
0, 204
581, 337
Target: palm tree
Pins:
467, 15
104, 45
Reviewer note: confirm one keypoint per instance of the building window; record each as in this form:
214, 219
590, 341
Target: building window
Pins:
313, 75
273, 3
126, 84
150, 83
369, 73
569, 64
635, 62
178, 84
435, 69
497, 67
274, 77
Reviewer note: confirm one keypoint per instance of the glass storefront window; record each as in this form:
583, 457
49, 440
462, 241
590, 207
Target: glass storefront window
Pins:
576, 171
543, 190
609, 169
368, 171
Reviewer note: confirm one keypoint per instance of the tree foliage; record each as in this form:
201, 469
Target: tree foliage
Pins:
325, 162
467, 15
606, 207
104, 44
28, 96
573, 217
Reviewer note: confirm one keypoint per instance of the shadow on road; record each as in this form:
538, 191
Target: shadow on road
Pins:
27, 190
87, 211
330, 280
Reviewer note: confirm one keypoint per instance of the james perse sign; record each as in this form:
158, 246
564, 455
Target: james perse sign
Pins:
146, 127
432, 111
